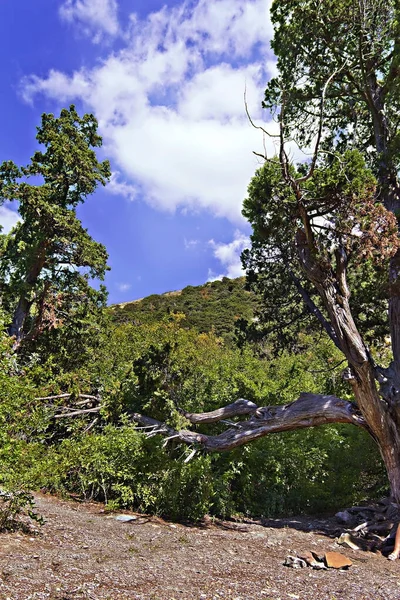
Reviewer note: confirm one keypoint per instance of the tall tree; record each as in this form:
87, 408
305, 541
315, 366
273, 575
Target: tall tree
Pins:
48, 258
322, 224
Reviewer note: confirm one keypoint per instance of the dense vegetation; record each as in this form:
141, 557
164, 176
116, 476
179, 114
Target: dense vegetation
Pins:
106, 457
77, 379
215, 306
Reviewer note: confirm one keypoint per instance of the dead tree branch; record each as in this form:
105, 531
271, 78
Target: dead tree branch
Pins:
237, 408
309, 410
68, 395
78, 412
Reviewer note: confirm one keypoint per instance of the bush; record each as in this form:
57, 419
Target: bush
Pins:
17, 511
123, 467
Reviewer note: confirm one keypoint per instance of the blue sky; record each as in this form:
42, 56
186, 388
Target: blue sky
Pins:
166, 82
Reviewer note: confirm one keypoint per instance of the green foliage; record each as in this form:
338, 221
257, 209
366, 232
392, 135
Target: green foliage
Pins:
123, 467
339, 199
156, 367
47, 260
214, 306
355, 42
302, 472
17, 511
169, 354
195, 371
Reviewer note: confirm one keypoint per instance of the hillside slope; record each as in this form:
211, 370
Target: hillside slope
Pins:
216, 305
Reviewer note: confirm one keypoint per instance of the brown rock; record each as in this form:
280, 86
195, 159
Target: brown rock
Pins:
335, 560
312, 560
307, 556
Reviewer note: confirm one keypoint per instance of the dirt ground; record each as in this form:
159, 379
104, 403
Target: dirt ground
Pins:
84, 553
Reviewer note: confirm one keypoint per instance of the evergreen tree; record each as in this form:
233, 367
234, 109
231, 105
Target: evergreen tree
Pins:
47, 260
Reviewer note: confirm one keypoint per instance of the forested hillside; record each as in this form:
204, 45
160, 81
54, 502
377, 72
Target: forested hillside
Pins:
214, 306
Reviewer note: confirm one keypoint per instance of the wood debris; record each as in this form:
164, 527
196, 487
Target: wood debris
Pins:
369, 527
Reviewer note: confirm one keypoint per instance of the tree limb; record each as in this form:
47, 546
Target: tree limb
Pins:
313, 308
239, 407
68, 395
309, 410
78, 412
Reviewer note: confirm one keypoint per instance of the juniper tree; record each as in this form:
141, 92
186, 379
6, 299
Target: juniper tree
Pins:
47, 260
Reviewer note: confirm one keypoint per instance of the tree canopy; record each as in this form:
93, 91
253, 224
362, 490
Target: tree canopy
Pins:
48, 258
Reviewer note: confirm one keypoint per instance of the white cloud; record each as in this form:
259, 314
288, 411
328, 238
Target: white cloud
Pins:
191, 244
121, 188
170, 103
8, 219
229, 256
97, 17
124, 287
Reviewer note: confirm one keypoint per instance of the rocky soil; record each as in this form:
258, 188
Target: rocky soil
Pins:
84, 553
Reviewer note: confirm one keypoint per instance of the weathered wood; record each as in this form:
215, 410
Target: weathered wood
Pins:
149, 422
78, 412
56, 397
239, 407
309, 410
68, 395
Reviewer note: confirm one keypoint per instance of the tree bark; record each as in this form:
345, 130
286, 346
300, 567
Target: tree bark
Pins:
21, 313
309, 410
380, 407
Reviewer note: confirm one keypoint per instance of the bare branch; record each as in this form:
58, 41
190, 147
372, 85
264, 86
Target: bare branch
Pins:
191, 455
68, 395
159, 426
78, 412
320, 126
237, 408
271, 135
58, 396
313, 308
309, 410
91, 425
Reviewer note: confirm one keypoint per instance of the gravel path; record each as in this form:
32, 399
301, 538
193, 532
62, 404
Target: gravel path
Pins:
83, 553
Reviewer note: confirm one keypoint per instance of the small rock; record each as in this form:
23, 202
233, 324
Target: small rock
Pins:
125, 518
345, 518
335, 560
312, 561
295, 562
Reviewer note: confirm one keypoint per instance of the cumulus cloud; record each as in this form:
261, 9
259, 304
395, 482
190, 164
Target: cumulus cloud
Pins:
8, 219
121, 188
96, 17
229, 256
170, 102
